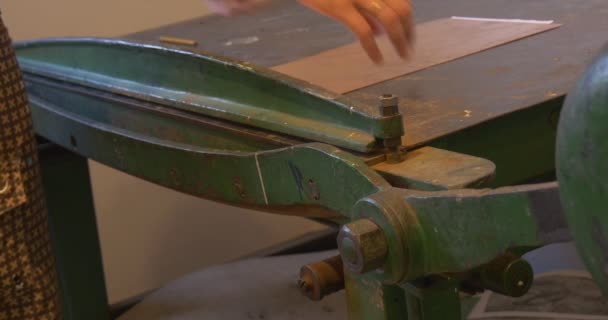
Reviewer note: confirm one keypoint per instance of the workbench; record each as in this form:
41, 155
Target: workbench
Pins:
523, 82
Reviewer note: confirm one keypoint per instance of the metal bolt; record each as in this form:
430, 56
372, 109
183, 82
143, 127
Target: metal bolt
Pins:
395, 154
510, 276
348, 250
362, 246
389, 105
320, 279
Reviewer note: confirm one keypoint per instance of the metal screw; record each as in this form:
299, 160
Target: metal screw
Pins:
362, 246
389, 107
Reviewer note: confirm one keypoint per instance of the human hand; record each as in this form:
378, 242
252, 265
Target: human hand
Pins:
366, 18
235, 7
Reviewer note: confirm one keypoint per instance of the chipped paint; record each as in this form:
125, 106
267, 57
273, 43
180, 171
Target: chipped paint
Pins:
291, 31
260, 176
242, 41
275, 18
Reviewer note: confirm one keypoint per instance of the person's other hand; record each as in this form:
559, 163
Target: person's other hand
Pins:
365, 18
235, 7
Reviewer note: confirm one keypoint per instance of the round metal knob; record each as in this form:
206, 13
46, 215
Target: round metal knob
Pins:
510, 277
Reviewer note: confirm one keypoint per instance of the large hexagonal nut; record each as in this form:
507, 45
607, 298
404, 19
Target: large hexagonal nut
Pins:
362, 245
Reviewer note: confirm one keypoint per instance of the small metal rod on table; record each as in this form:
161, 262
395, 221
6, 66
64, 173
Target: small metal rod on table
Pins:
178, 41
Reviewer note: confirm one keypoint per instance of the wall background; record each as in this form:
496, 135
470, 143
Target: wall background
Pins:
149, 234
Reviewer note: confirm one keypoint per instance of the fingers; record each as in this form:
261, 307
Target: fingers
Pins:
235, 7
376, 29
219, 7
390, 20
403, 8
360, 26
365, 18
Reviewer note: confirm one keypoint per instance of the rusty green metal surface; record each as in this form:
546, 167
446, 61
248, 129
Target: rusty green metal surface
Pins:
438, 242
207, 85
520, 144
454, 231
427, 299
582, 166
232, 133
463, 229
67, 185
367, 298
153, 120
299, 180
433, 298
419, 171
71, 82
430, 168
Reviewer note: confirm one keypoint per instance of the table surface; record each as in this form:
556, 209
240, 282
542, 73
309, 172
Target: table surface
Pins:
487, 85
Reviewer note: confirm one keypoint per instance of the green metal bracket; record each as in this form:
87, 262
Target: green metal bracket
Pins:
297, 179
368, 298
435, 244
75, 109
433, 299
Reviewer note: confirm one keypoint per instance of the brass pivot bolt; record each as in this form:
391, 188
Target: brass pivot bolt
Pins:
362, 246
389, 107
322, 278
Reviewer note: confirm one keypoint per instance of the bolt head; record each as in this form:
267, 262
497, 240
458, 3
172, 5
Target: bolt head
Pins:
389, 105
510, 277
518, 277
389, 100
362, 246
348, 250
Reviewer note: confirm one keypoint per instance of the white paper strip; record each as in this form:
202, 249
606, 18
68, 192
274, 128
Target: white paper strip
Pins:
504, 20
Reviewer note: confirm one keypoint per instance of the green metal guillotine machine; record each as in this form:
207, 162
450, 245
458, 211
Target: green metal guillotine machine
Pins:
430, 209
